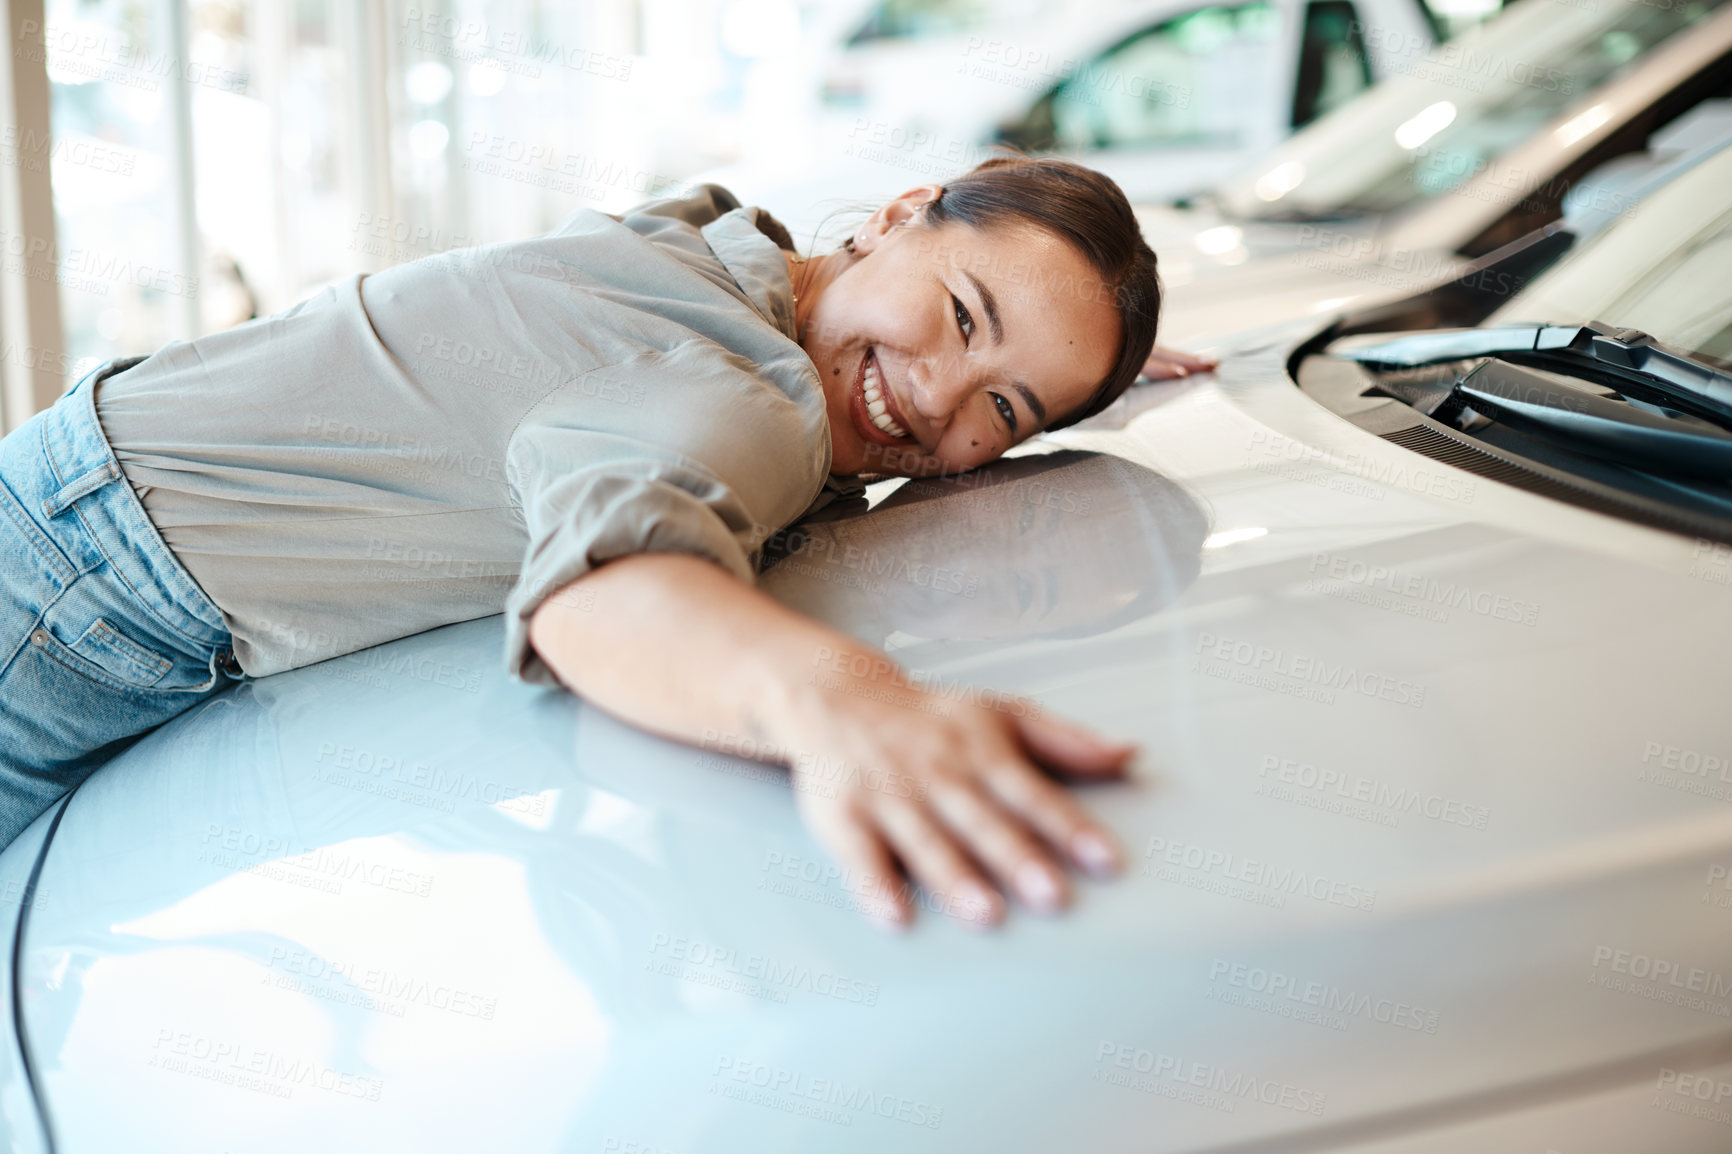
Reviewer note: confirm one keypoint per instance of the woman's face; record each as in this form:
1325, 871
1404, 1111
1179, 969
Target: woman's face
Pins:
941, 347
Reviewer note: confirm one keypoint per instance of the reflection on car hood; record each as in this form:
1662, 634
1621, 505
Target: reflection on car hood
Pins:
1432, 773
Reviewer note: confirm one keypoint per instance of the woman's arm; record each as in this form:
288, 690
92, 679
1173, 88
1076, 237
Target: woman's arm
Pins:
886, 771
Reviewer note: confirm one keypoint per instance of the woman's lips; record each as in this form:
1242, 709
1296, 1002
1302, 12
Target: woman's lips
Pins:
863, 418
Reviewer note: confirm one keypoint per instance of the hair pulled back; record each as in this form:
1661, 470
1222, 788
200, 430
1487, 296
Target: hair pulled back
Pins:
1086, 210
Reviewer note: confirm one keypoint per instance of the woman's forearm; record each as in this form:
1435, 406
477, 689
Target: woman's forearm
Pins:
677, 645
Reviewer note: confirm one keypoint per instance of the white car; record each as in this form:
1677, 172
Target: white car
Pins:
1548, 111
1431, 831
1166, 96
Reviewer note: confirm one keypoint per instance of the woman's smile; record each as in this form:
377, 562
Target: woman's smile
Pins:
877, 417
936, 349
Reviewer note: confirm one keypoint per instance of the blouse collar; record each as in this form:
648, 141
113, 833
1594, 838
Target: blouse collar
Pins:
756, 264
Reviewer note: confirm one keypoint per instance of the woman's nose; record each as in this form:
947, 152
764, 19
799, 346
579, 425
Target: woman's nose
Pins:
940, 385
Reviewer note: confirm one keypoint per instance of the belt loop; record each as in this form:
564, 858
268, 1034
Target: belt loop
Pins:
73, 490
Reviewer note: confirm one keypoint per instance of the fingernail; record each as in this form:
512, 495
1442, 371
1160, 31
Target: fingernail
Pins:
978, 904
1039, 888
1095, 853
887, 916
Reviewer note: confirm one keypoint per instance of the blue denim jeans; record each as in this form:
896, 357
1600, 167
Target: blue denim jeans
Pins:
103, 634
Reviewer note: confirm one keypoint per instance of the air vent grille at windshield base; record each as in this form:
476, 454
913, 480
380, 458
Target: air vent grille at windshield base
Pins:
1440, 446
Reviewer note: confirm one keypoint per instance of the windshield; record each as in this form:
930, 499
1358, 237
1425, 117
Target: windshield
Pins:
1666, 270
1448, 116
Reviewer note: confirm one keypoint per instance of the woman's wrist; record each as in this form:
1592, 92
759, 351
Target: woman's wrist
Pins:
833, 674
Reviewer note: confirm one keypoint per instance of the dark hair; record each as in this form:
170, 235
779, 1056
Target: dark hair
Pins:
1089, 212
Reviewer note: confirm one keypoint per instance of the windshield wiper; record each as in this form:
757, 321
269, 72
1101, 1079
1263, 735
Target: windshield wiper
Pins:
1552, 406
1629, 361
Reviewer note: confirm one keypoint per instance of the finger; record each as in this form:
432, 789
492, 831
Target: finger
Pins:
1021, 864
1196, 362
1072, 749
1057, 816
1158, 368
875, 884
1164, 363
934, 860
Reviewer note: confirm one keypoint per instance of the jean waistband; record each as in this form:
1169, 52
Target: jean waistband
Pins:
85, 470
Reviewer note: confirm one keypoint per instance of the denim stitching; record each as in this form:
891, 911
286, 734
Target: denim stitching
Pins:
96, 673
144, 658
145, 603
46, 549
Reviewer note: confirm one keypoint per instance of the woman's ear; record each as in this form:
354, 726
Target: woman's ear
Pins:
895, 214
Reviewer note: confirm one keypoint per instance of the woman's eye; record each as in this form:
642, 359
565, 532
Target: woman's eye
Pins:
1005, 410
964, 321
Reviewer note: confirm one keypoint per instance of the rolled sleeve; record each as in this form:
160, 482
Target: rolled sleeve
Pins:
630, 497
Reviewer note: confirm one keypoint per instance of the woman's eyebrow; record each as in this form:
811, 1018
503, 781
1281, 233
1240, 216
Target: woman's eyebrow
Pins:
1033, 402
990, 304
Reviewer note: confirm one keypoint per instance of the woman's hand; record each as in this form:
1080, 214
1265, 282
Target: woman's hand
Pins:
951, 790
885, 771
1166, 364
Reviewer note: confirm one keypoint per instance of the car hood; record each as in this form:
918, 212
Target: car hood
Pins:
1424, 834
1303, 286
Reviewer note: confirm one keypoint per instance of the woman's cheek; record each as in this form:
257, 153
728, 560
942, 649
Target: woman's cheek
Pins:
970, 451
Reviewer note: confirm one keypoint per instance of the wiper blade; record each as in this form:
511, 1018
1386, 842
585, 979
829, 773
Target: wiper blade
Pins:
1549, 406
1628, 360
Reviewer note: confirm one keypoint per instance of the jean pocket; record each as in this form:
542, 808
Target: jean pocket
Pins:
120, 655
106, 656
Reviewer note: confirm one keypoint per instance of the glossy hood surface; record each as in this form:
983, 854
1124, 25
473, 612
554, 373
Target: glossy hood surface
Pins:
1430, 841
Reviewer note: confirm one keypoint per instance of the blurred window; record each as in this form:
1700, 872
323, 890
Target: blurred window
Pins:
1197, 79
1333, 64
1453, 17
326, 138
121, 280
912, 19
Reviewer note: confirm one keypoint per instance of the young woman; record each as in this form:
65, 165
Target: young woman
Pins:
595, 430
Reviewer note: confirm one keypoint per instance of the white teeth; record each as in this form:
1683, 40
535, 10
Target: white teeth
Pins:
875, 407
883, 421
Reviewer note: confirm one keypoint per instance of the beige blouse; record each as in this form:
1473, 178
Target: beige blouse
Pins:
468, 433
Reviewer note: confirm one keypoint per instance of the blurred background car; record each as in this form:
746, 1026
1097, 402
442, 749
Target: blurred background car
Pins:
1166, 97
1535, 116
1430, 835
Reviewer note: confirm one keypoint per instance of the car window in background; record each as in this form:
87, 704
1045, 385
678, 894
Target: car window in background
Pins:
1453, 17
1334, 65
915, 19
1186, 81
1661, 270
1468, 103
